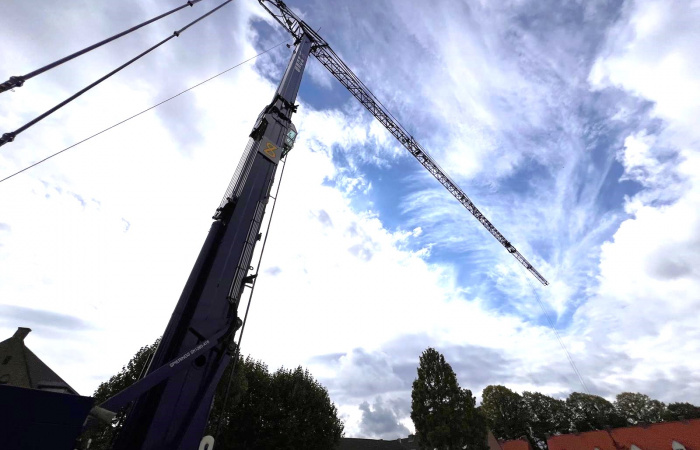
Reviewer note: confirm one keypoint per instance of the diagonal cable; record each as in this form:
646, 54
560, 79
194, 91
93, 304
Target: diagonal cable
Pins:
9, 137
18, 81
237, 353
141, 112
559, 339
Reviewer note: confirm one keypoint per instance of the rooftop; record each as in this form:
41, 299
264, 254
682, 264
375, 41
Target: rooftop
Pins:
20, 367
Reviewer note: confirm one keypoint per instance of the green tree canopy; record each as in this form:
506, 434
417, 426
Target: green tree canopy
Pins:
591, 412
444, 415
639, 408
545, 416
287, 409
681, 411
100, 436
505, 412
537, 416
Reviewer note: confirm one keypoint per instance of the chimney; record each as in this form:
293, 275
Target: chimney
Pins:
22, 333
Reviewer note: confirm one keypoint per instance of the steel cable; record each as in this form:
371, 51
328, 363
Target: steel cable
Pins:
237, 352
141, 112
9, 137
18, 81
559, 339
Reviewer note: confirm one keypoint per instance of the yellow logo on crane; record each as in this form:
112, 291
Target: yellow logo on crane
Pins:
270, 150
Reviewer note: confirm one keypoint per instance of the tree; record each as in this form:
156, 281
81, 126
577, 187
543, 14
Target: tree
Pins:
505, 412
545, 416
307, 417
681, 411
260, 411
287, 409
639, 408
591, 412
100, 436
444, 415
237, 419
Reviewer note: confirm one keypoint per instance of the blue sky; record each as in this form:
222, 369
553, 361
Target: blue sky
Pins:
572, 126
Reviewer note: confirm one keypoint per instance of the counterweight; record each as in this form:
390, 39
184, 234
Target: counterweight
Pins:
326, 56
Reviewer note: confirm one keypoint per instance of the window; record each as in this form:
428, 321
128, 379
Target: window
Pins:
289, 139
675, 445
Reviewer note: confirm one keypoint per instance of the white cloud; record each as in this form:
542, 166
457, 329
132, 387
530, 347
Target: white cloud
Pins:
319, 74
651, 52
382, 421
649, 285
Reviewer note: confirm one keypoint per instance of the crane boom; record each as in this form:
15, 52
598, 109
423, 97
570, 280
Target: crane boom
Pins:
172, 401
331, 61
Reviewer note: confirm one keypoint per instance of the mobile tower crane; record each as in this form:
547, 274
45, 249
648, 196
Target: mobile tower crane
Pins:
172, 401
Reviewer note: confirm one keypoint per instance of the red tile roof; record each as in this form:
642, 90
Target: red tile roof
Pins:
658, 436
583, 441
519, 444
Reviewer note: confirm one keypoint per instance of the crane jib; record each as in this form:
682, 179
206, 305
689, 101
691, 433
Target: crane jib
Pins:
330, 60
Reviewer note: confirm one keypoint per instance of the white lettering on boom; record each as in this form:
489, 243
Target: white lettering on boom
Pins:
190, 353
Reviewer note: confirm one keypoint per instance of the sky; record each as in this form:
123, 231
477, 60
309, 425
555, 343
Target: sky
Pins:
572, 125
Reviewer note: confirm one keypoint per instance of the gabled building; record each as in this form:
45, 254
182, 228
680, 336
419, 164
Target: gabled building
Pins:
20, 367
39, 410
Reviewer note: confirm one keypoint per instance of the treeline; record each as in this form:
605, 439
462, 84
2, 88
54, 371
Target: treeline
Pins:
536, 416
446, 416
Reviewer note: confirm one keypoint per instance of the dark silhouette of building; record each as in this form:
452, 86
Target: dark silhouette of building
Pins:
20, 367
369, 444
407, 443
39, 410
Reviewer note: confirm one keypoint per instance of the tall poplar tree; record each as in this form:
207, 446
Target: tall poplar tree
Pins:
444, 415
